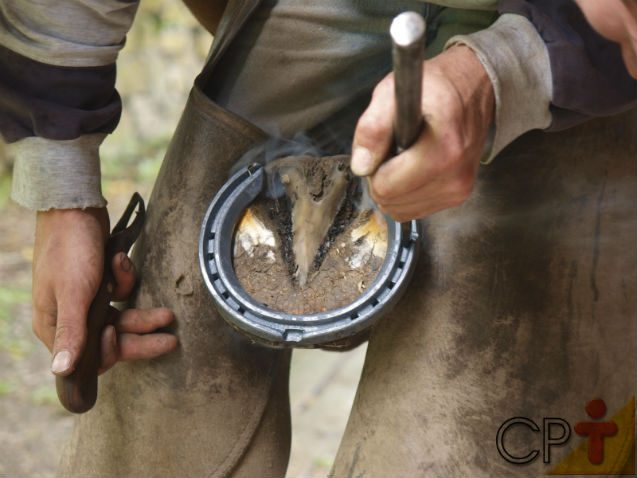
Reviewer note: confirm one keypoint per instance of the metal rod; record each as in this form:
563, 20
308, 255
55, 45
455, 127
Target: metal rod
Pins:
408, 50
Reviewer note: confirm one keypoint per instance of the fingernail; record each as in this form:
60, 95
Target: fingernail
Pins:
362, 162
126, 263
61, 362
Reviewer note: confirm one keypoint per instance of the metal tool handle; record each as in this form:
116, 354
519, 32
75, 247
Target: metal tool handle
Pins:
78, 391
408, 50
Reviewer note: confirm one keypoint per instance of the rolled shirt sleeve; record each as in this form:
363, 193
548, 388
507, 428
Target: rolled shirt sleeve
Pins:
516, 59
57, 95
54, 174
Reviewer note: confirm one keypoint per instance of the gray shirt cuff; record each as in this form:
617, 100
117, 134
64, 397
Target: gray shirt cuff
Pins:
51, 174
517, 62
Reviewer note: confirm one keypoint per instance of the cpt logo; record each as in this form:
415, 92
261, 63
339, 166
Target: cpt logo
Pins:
557, 432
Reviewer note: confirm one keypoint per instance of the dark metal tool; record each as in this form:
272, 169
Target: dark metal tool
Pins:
408, 50
78, 391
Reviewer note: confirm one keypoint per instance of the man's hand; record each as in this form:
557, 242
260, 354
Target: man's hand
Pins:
439, 170
68, 263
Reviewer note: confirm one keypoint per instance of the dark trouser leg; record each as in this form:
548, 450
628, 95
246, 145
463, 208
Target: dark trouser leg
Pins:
524, 305
199, 410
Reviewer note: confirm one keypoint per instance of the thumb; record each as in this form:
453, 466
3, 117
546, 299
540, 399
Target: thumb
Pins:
70, 335
374, 132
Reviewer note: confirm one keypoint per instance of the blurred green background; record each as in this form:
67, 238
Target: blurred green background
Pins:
164, 51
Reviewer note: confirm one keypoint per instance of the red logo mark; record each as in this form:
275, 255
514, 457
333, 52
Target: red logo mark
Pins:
596, 431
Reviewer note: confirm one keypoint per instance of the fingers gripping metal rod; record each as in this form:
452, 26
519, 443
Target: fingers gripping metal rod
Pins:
408, 48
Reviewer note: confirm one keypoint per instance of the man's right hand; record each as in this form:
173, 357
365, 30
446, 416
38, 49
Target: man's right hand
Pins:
68, 263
